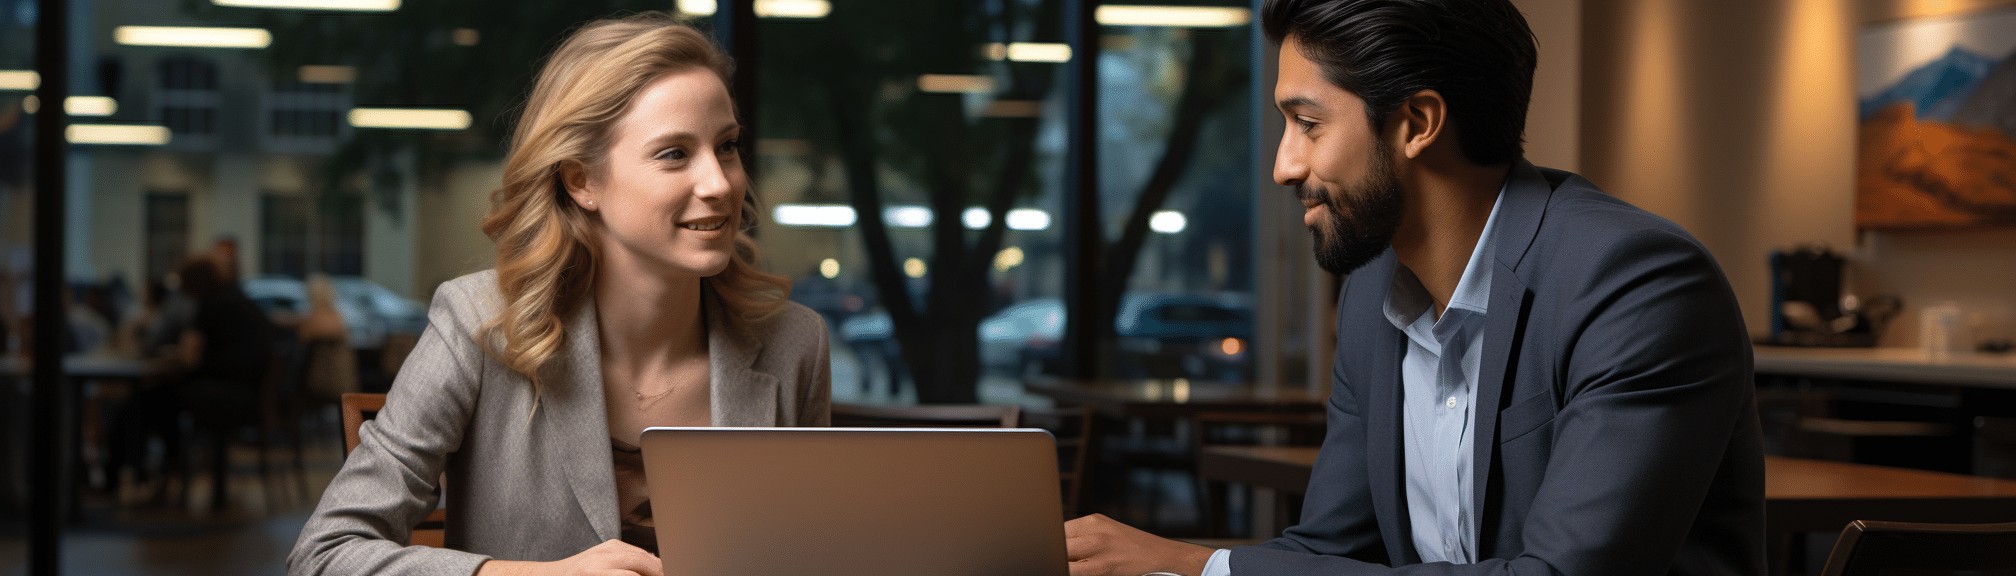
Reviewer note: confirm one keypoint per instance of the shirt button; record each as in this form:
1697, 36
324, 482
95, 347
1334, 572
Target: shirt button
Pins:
1451, 403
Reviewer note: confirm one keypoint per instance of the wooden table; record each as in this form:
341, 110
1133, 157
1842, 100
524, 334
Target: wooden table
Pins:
76, 370
1178, 398
1799, 495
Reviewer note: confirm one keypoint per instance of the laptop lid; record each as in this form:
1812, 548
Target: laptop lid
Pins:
855, 501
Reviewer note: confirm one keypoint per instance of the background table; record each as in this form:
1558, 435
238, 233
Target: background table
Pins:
1799, 495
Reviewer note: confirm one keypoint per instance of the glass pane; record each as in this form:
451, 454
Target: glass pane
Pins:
1176, 173
912, 155
243, 160
17, 227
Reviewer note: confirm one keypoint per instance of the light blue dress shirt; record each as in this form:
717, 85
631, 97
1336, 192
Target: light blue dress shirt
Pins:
1438, 379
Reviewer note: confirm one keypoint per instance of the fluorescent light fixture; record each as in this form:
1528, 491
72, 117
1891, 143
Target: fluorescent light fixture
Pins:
793, 8
1013, 109
324, 74
823, 215
1028, 219
1028, 52
194, 37
409, 118
908, 216
19, 80
764, 8
1168, 222
1174, 16
117, 134
955, 83
90, 106
31, 104
976, 218
697, 7
344, 5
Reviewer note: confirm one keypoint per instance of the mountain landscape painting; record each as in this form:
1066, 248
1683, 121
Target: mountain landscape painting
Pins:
1937, 137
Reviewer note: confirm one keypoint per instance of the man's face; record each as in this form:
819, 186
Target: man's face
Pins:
1341, 169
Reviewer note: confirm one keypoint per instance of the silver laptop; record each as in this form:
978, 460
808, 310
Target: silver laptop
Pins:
855, 502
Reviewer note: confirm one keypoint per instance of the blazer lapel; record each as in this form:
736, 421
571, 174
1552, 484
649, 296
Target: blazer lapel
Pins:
576, 420
740, 395
1383, 436
1524, 205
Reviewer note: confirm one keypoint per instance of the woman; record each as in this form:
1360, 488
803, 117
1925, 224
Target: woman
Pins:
332, 364
624, 297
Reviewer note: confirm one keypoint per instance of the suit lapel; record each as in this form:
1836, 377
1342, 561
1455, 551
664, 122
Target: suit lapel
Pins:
739, 394
572, 411
1383, 439
1519, 217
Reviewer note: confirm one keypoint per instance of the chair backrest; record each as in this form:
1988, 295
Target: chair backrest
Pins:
358, 407
361, 406
959, 416
1072, 427
1868, 548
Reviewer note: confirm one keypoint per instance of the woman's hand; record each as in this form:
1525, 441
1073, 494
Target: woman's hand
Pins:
610, 558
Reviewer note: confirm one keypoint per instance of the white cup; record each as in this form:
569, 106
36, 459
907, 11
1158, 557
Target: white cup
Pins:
1939, 329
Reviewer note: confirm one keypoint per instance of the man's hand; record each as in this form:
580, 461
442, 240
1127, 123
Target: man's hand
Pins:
1101, 546
610, 558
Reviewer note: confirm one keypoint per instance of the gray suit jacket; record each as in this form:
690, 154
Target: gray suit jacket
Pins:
1616, 432
525, 484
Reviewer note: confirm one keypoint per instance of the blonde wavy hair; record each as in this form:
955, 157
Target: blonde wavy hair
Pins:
546, 248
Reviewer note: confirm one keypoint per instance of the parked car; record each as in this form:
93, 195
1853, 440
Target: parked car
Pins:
369, 311
1022, 338
1185, 336
1204, 337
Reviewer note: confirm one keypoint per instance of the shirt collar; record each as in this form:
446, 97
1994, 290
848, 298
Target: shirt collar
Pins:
1407, 300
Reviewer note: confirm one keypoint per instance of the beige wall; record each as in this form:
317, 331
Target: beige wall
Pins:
1554, 118
451, 241
1736, 119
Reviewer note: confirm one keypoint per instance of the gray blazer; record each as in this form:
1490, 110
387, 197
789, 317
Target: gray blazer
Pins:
525, 484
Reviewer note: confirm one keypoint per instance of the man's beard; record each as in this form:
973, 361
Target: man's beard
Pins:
1360, 223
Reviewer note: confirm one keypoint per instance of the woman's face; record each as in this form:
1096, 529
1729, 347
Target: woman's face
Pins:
669, 193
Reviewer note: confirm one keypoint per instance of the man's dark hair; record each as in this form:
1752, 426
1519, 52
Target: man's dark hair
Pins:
1479, 54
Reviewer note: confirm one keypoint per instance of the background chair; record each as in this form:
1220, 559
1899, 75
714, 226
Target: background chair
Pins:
1298, 427
1868, 548
1073, 429
960, 416
360, 406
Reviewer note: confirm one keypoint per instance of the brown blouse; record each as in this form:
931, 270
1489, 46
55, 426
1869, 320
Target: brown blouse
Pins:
632, 499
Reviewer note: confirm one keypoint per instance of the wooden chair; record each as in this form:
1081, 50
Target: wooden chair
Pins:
1302, 427
358, 407
1868, 548
1073, 429
960, 416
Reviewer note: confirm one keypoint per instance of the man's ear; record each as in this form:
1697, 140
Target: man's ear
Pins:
1421, 120
579, 185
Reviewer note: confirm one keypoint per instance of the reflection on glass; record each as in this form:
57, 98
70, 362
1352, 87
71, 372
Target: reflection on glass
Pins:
1174, 151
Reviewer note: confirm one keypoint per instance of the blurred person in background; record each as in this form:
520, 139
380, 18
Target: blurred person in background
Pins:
625, 296
332, 365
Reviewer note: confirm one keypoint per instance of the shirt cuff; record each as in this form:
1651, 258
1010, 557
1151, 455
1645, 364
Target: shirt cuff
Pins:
1220, 564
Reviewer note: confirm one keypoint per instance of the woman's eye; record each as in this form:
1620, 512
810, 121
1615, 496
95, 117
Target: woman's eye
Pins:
732, 146
1305, 123
672, 154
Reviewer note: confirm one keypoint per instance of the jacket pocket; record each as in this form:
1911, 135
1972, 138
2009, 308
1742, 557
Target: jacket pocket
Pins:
1525, 416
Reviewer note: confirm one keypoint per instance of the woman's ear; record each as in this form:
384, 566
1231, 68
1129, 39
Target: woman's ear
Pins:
574, 177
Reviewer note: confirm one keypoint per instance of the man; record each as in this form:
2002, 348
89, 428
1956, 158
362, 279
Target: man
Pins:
1532, 377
